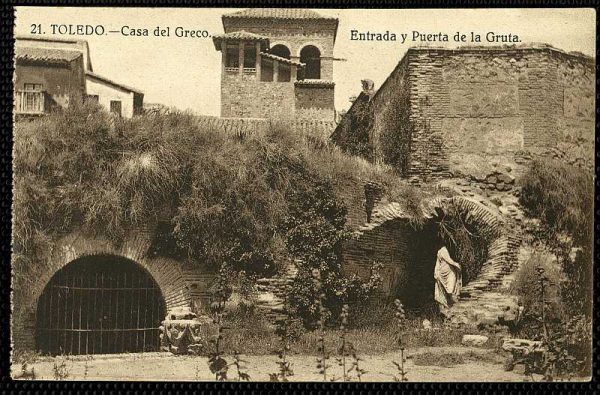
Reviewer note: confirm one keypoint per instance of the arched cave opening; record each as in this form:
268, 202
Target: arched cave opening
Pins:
99, 305
466, 244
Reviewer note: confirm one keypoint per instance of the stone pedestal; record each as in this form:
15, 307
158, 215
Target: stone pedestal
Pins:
181, 332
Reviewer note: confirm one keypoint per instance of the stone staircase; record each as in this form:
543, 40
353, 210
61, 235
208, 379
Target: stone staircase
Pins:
271, 293
487, 299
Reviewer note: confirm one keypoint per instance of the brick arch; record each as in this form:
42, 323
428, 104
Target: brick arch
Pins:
286, 44
502, 246
167, 273
305, 44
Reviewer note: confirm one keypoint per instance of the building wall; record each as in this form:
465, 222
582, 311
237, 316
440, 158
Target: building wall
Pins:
59, 81
107, 92
315, 102
392, 132
459, 110
245, 97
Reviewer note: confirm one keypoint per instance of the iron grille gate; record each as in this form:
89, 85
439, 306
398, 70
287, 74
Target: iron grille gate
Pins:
99, 305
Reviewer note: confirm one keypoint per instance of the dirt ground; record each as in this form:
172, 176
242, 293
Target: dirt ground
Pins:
168, 367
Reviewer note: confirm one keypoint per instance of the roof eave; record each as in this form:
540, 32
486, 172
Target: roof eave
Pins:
113, 83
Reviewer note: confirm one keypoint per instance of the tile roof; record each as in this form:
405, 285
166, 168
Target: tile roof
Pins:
48, 39
67, 44
239, 35
277, 13
111, 82
47, 55
280, 59
324, 83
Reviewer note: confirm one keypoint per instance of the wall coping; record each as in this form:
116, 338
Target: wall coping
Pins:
516, 47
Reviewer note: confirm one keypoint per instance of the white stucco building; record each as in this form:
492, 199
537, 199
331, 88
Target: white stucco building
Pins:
115, 97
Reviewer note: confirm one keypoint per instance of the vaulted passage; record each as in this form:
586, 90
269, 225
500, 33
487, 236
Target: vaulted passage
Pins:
98, 305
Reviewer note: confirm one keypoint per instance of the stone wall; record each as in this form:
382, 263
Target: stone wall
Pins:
473, 106
246, 97
392, 132
180, 285
408, 253
460, 110
387, 245
314, 101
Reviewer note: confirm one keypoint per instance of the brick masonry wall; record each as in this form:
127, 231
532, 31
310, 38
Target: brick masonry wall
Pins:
388, 245
173, 280
244, 96
244, 127
472, 106
408, 254
316, 102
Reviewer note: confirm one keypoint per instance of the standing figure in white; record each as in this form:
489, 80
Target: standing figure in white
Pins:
448, 278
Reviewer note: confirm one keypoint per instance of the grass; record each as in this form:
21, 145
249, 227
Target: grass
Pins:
252, 340
449, 359
251, 334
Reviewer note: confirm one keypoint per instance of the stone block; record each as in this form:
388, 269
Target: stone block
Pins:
474, 340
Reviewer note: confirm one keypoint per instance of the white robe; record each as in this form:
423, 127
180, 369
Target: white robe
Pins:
448, 278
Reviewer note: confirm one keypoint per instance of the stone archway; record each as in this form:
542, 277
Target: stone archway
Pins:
310, 55
99, 304
408, 253
166, 272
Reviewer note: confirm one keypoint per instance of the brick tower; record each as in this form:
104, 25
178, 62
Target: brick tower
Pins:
277, 62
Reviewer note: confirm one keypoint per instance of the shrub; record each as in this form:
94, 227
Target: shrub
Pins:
314, 229
354, 129
526, 286
562, 198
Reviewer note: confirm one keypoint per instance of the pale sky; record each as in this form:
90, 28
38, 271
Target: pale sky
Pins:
185, 72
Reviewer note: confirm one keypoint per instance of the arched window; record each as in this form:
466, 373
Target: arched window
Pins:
311, 56
280, 50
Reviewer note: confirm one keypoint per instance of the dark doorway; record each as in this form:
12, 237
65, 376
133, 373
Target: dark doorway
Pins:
99, 305
419, 291
280, 50
311, 57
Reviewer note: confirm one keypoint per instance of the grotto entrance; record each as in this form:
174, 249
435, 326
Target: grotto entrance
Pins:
417, 292
466, 242
98, 305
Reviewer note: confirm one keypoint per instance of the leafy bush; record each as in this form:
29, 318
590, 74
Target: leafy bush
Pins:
353, 133
526, 286
562, 198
